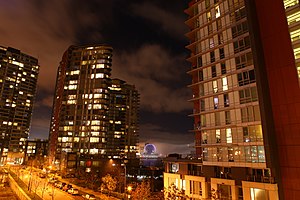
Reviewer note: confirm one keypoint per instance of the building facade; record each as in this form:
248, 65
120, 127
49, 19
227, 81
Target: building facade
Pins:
245, 86
123, 121
94, 116
292, 8
36, 151
18, 83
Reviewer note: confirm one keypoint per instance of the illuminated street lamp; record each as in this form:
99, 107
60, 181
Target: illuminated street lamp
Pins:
125, 172
129, 189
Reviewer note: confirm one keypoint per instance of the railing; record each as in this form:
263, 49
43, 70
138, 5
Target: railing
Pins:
262, 179
17, 189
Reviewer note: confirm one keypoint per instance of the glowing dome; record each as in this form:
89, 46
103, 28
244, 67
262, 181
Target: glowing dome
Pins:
149, 149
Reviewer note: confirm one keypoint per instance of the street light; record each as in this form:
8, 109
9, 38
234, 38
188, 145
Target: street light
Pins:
129, 189
125, 172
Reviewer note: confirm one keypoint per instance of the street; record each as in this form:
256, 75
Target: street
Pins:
40, 186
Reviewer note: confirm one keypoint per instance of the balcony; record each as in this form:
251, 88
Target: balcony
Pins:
261, 179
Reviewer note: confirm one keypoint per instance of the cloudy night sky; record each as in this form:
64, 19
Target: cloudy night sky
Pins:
149, 52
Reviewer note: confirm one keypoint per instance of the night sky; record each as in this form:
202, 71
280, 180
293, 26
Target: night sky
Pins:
149, 52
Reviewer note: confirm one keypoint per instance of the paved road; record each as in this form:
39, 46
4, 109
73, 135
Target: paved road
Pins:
41, 187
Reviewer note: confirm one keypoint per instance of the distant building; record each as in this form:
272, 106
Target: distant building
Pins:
36, 150
246, 101
18, 83
94, 116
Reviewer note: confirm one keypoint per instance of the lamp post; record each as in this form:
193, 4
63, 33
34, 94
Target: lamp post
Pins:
125, 177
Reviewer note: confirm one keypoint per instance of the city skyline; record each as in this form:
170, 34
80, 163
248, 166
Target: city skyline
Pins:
151, 49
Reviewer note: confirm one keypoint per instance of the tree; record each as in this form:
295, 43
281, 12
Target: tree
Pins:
172, 192
142, 191
109, 183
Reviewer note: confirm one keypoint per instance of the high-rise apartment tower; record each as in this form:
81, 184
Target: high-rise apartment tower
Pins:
18, 83
246, 101
94, 116
292, 8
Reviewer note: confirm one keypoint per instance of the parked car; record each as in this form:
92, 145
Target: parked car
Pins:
67, 187
89, 196
60, 185
73, 191
57, 183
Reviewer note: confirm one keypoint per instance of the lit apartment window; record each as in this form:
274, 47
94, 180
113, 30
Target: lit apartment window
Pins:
208, 16
94, 139
75, 72
218, 12
204, 137
72, 87
211, 43
216, 102
224, 84
203, 120
228, 135
73, 82
99, 75
94, 151
215, 86
218, 136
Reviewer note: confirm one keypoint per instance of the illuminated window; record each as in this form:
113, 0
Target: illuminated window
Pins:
72, 87
100, 66
94, 139
256, 193
211, 43
75, 72
72, 97
218, 136
16, 63
218, 13
95, 133
216, 102
97, 106
228, 135
224, 84
94, 151
72, 82
65, 139
99, 75
71, 102
215, 86
208, 16
203, 120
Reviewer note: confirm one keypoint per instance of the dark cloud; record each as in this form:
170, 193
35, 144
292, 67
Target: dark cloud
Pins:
152, 68
168, 21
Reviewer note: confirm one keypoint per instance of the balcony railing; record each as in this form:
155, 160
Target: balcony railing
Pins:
262, 179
